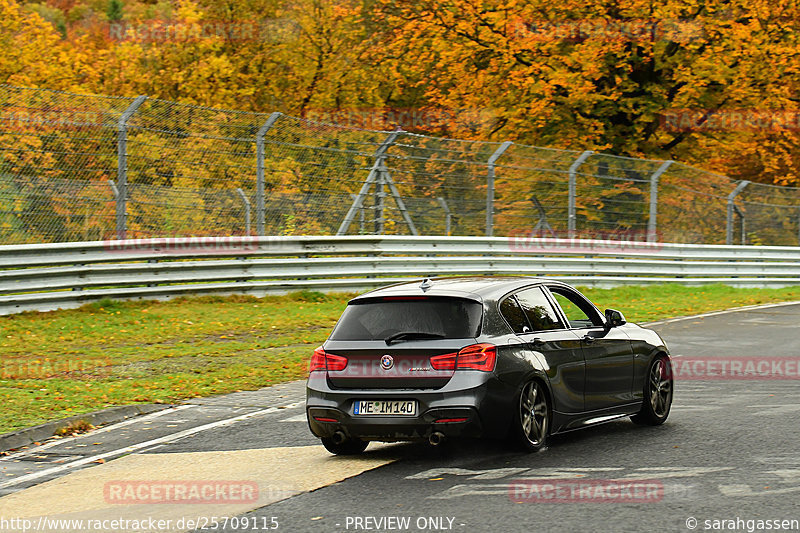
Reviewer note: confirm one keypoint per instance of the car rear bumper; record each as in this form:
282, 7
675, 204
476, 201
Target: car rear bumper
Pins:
456, 410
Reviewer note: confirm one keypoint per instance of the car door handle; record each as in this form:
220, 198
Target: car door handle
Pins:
537, 341
588, 339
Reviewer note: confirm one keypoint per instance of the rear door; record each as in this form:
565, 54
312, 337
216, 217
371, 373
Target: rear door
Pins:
534, 319
388, 342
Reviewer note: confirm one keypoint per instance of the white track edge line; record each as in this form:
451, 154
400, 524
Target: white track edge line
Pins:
146, 444
715, 313
117, 425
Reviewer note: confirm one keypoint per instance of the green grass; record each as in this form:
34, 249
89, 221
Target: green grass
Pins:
69, 362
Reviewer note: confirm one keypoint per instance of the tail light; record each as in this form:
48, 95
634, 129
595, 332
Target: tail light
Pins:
321, 360
474, 357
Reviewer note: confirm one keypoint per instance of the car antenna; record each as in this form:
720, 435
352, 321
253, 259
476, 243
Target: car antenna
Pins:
425, 285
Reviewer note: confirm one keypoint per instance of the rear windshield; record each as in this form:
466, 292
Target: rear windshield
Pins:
447, 318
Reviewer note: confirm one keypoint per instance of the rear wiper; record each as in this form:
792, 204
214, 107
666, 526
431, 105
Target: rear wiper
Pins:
409, 335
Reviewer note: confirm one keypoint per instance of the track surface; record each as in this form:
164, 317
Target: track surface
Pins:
729, 451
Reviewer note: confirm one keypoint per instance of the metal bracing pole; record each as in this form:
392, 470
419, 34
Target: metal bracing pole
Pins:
122, 166
380, 195
490, 186
731, 197
358, 201
372, 177
360, 216
262, 132
114, 189
447, 215
246, 202
573, 170
401, 205
652, 227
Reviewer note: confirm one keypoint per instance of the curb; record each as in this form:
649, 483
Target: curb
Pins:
24, 437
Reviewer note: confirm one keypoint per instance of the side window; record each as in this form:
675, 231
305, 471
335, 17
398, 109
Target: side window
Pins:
579, 314
538, 310
513, 314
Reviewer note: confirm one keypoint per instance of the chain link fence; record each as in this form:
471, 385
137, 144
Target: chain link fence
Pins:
80, 168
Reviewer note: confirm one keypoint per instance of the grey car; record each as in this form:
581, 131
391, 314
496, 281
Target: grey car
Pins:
514, 357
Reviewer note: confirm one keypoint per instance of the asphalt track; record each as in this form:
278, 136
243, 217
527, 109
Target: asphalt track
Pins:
727, 458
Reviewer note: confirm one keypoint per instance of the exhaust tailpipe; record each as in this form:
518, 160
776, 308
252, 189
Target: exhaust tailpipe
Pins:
436, 438
339, 437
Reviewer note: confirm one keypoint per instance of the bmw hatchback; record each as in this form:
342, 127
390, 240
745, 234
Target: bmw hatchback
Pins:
521, 358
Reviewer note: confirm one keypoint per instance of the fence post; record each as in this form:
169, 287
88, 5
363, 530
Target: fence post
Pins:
375, 175
573, 169
731, 197
122, 166
262, 132
652, 223
490, 186
246, 201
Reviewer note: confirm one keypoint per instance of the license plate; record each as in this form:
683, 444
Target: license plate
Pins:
385, 407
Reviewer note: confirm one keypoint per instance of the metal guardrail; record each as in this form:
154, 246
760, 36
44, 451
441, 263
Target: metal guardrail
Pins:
49, 276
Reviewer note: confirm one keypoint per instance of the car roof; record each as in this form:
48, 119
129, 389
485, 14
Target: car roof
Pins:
471, 287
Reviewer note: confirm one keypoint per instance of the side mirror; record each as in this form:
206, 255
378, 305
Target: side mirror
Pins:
614, 318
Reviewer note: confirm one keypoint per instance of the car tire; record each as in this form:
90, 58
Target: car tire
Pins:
348, 447
658, 388
531, 425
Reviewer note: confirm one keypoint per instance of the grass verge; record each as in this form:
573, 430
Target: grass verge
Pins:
110, 353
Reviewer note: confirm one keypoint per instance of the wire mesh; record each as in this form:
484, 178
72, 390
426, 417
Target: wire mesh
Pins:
193, 171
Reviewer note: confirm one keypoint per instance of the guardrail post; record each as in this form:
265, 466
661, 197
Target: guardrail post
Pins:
652, 223
573, 170
122, 166
246, 201
375, 174
731, 197
490, 187
262, 132
447, 215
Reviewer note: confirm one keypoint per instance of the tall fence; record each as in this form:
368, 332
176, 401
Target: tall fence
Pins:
81, 168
